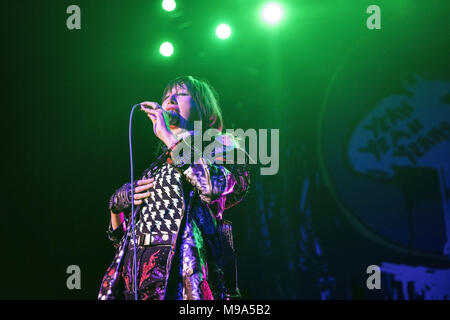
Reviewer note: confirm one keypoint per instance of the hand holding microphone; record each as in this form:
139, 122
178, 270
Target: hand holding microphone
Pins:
162, 120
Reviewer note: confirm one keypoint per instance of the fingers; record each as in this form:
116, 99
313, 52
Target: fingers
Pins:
144, 181
143, 188
154, 114
150, 105
139, 196
147, 109
153, 111
142, 185
158, 116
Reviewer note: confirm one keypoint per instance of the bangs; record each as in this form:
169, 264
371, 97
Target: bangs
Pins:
178, 82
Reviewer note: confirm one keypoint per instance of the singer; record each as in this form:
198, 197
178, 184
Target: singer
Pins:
184, 247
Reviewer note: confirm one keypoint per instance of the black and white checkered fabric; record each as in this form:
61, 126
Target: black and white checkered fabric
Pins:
161, 213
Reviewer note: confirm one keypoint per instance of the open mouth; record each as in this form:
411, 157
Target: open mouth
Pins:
172, 108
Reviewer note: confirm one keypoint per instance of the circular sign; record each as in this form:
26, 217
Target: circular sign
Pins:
384, 142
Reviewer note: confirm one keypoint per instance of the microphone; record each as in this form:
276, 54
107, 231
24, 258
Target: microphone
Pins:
173, 117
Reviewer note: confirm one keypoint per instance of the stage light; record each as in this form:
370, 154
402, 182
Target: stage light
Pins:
169, 5
166, 49
223, 31
272, 13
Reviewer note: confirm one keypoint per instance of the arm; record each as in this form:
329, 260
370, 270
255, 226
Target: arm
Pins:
117, 220
117, 227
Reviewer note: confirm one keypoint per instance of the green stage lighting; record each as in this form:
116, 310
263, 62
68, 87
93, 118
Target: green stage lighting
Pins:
272, 13
223, 31
169, 5
166, 49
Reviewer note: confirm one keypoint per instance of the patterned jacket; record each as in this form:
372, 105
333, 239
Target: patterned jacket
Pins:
203, 248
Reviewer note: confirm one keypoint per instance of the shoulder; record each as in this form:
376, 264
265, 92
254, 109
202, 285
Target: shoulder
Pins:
227, 141
226, 147
224, 143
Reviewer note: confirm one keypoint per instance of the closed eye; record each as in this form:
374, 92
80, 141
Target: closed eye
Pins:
179, 94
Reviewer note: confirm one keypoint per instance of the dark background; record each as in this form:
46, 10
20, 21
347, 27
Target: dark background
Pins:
66, 100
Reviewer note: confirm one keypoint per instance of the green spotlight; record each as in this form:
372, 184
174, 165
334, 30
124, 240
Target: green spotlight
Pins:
166, 49
169, 5
223, 31
272, 13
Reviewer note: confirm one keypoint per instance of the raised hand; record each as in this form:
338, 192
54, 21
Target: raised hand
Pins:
160, 119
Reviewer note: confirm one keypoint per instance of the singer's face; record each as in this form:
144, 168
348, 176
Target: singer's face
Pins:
179, 99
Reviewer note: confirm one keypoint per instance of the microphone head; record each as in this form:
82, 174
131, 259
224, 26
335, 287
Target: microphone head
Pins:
173, 117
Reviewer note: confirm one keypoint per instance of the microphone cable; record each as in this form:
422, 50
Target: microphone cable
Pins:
133, 216
132, 204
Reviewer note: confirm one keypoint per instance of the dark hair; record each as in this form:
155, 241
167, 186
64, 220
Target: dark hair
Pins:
205, 98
